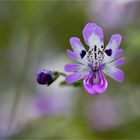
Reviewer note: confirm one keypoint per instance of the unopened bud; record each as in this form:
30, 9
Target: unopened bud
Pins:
45, 77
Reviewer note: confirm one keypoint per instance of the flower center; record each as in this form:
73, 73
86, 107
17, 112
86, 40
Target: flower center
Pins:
95, 57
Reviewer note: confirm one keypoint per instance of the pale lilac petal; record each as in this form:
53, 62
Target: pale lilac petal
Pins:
114, 56
118, 53
93, 35
114, 42
76, 76
79, 50
72, 55
114, 73
119, 62
72, 67
116, 63
95, 84
76, 45
112, 47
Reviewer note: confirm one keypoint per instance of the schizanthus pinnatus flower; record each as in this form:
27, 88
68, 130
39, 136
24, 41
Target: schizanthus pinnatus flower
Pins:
96, 60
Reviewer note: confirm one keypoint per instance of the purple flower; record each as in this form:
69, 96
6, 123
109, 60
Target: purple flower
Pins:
96, 60
105, 12
103, 114
46, 77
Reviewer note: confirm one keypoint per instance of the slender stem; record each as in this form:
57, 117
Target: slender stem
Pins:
76, 84
62, 74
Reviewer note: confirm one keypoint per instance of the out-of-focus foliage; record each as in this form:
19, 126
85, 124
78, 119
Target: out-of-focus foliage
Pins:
35, 35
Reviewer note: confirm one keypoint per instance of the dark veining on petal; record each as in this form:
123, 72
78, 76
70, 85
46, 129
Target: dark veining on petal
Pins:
95, 48
108, 52
95, 55
91, 80
83, 53
94, 75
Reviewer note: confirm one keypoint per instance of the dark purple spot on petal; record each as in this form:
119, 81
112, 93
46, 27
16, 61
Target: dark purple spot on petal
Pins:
108, 52
83, 53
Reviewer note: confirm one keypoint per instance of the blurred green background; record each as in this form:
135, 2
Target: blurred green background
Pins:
35, 35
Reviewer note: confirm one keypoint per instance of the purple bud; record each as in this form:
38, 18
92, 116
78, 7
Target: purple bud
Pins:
45, 77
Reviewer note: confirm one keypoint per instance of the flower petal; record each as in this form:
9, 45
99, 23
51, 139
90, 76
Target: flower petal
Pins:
112, 47
93, 35
116, 63
79, 50
72, 55
114, 42
76, 76
118, 53
77, 45
95, 83
114, 73
73, 67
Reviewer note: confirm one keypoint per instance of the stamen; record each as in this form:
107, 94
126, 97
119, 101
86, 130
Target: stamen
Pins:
102, 46
95, 58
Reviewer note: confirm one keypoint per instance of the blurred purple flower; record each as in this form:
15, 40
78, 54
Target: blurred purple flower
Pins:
53, 104
111, 14
96, 60
102, 114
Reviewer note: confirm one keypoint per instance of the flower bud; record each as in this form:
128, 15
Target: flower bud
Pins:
45, 77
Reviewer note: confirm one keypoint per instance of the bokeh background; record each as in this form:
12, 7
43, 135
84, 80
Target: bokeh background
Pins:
35, 35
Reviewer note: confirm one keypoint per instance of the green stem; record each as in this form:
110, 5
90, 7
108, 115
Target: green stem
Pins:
62, 74
76, 84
